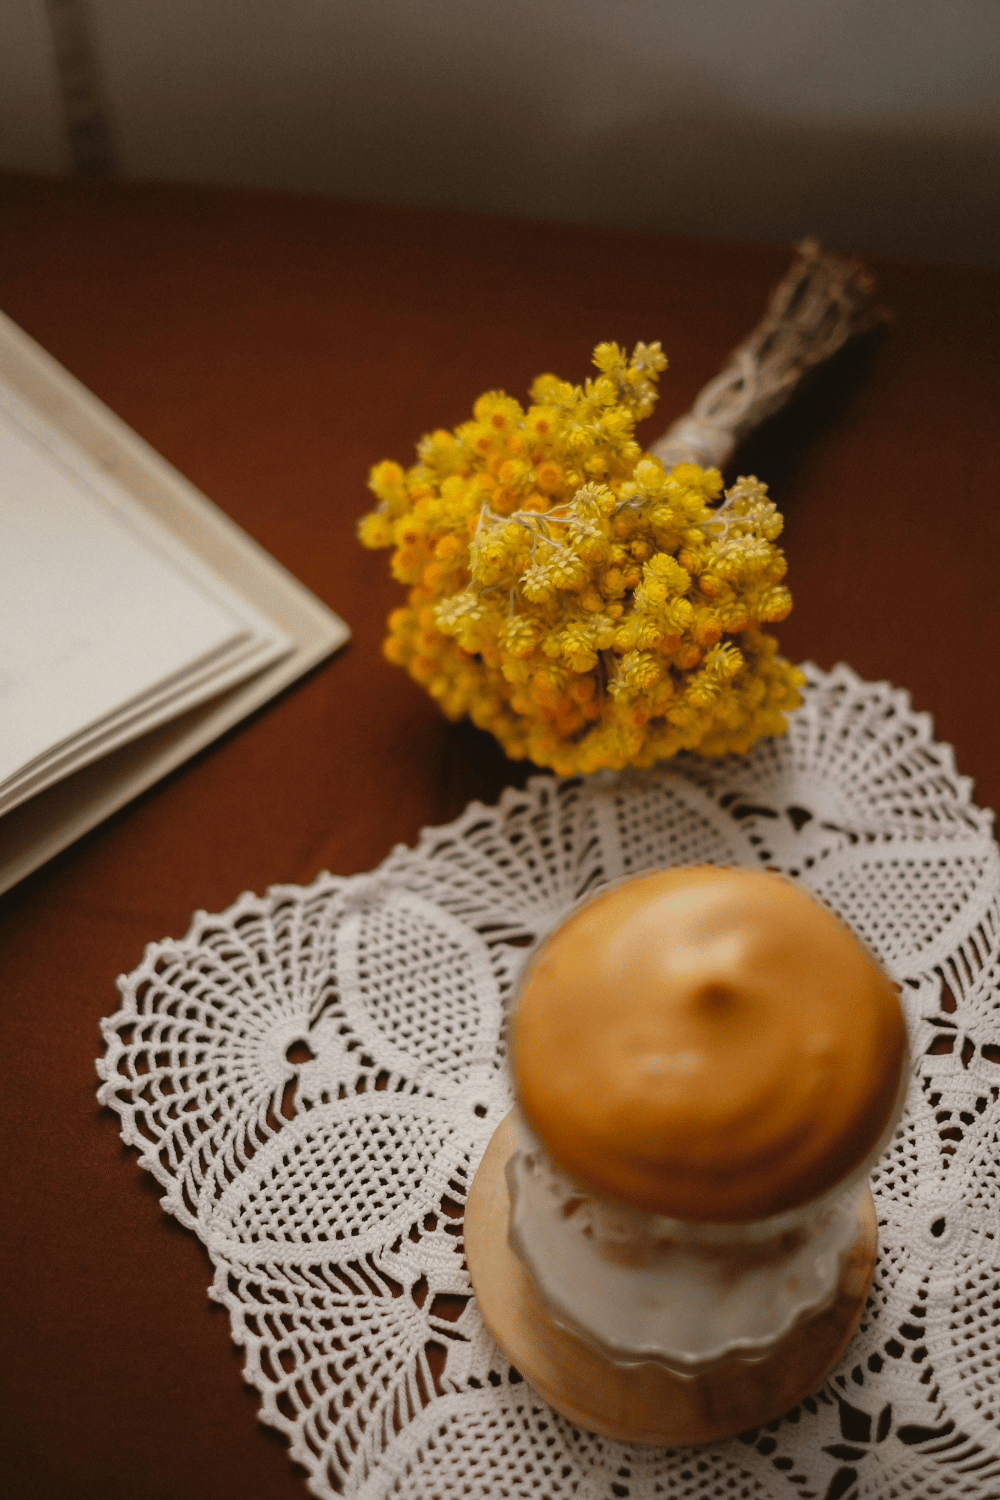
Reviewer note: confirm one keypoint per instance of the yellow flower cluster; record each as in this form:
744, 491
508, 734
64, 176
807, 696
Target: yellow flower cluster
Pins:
573, 597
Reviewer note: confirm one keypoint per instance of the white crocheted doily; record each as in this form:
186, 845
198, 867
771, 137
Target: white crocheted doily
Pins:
313, 1075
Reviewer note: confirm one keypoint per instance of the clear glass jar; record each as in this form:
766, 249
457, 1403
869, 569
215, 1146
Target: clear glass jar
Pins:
641, 1287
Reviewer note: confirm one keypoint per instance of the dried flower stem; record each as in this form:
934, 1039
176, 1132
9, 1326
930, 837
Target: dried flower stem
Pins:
823, 301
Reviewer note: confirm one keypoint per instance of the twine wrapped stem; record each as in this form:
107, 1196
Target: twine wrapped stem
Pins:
823, 301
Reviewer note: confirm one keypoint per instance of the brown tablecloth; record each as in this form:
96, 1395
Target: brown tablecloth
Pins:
273, 348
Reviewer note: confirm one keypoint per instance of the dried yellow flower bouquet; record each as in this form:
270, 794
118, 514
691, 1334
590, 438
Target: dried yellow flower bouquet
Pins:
571, 595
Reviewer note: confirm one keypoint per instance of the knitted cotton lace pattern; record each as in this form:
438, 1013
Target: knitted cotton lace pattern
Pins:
313, 1075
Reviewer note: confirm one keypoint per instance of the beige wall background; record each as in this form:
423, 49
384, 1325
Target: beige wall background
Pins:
874, 123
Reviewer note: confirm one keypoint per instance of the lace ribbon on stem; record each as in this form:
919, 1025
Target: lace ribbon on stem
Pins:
823, 301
